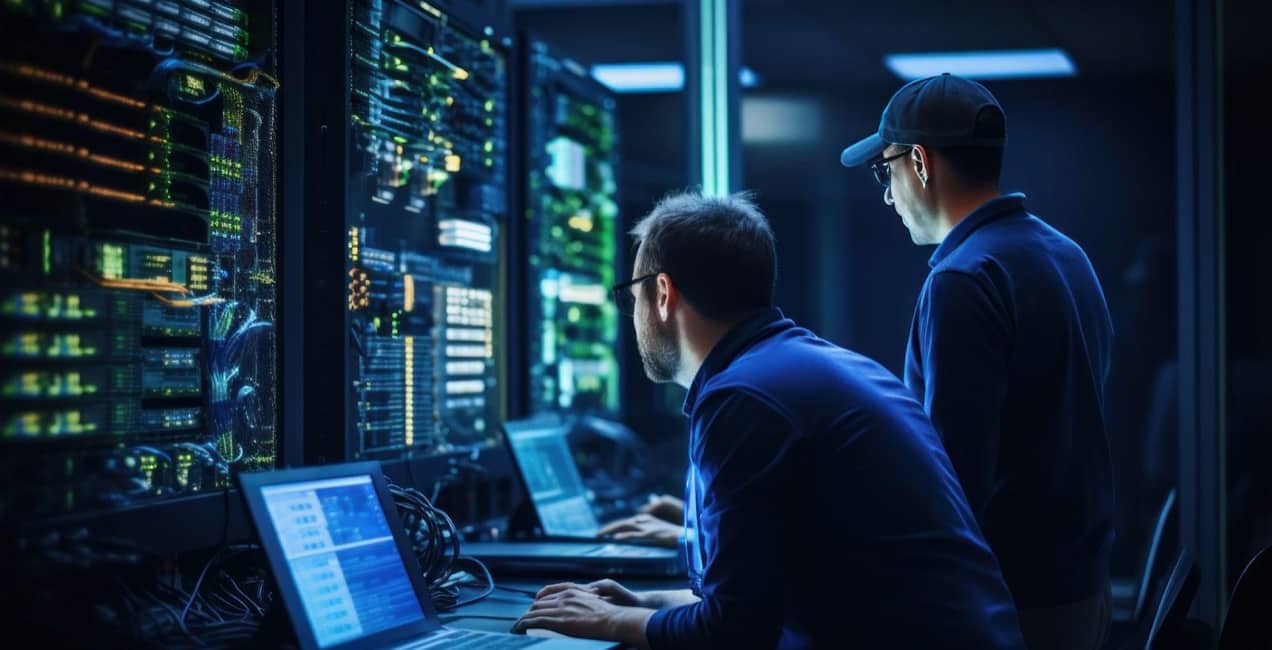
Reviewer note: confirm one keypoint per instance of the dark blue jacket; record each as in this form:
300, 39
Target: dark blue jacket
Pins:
1009, 351
821, 510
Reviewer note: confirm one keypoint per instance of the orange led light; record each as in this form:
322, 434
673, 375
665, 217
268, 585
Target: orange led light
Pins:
66, 115
53, 146
57, 79
63, 183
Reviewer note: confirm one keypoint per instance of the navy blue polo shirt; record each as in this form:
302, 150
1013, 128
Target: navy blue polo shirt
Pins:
822, 510
1009, 352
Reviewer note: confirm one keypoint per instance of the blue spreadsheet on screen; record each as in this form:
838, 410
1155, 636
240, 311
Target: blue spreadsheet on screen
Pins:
346, 575
342, 554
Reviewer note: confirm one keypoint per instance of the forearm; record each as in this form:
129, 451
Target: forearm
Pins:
628, 627
667, 599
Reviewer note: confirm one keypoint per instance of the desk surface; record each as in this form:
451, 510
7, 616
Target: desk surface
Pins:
498, 611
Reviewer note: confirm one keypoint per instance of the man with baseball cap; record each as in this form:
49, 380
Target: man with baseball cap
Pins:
1008, 352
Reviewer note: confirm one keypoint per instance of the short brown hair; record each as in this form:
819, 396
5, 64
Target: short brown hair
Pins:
718, 250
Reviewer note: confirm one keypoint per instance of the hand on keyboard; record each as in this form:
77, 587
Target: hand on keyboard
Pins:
666, 508
644, 528
578, 611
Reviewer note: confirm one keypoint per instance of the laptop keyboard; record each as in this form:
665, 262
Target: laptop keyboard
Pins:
470, 640
615, 550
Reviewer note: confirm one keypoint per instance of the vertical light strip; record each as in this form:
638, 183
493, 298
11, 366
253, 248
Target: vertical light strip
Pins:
721, 42
706, 94
408, 352
714, 95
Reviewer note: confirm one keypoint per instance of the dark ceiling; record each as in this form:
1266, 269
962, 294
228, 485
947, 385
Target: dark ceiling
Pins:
816, 42
804, 43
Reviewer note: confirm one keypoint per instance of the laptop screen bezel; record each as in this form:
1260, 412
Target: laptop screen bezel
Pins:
251, 485
540, 422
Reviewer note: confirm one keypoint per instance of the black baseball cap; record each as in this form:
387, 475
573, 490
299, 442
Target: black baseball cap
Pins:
941, 111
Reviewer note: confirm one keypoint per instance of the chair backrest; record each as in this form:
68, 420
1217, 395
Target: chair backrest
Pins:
1174, 598
1159, 548
1248, 622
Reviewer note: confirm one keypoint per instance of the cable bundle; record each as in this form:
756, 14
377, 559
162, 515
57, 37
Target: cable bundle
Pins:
232, 400
219, 610
435, 540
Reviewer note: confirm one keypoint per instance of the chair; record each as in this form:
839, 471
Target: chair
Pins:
1248, 622
1166, 607
1174, 600
1130, 596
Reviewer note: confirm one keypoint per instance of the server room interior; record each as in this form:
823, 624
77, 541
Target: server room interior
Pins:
245, 235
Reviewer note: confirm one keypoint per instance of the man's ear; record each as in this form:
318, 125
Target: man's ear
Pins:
666, 297
922, 163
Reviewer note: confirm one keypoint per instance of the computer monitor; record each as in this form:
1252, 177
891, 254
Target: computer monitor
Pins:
344, 568
335, 553
541, 450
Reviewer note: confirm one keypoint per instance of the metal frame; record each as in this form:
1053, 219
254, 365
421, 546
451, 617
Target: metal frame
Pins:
517, 239
321, 359
291, 240
1202, 349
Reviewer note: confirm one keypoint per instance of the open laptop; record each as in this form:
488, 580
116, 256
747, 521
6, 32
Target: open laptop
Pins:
540, 449
345, 572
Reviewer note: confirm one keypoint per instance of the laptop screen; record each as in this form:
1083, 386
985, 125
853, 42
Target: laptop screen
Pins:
341, 558
543, 454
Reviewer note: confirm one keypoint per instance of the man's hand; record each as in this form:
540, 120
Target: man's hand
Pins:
666, 508
606, 589
620, 595
646, 528
579, 610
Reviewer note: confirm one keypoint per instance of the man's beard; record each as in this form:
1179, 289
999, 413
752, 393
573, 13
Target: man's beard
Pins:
659, 350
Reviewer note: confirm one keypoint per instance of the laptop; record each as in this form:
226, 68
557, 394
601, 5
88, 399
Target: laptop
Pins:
540, 450
345, 572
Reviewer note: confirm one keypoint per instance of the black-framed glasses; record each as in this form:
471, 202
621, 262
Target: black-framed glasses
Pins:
623, 296
882, 168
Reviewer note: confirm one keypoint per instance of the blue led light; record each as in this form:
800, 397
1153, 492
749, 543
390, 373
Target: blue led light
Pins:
990, 64
641, 77
655, 77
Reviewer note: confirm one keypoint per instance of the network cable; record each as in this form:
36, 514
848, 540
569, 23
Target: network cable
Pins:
435, 540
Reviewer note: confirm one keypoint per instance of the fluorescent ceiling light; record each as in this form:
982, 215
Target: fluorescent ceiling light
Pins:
641, 77
654, 77
992, 64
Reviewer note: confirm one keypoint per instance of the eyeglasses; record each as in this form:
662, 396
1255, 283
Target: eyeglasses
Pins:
623, 296
882, 169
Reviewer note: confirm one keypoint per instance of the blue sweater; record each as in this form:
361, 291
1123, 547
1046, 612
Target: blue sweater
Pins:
1009, 351
821, 510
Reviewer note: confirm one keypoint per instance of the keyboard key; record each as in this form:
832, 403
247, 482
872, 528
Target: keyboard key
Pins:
470, 640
